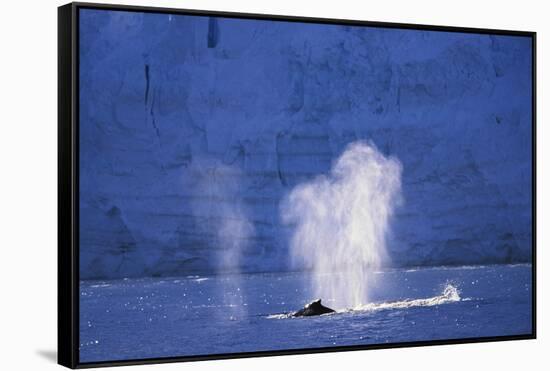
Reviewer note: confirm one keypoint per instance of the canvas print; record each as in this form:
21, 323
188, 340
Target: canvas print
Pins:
250, 185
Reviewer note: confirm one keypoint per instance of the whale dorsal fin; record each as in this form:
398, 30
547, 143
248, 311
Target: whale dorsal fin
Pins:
313, 303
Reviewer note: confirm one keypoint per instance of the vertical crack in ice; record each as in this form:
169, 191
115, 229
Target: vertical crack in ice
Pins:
146, 83
153, 118
213, 32
278, 155
152, 107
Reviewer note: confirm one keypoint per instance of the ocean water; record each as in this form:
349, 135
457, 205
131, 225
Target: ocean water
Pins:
206, 315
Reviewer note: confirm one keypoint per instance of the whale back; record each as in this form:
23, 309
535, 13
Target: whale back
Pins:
314, 308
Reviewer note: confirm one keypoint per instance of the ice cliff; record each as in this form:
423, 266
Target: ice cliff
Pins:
183, 118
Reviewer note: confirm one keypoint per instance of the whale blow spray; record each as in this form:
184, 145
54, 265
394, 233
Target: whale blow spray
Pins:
341, 221
226, 221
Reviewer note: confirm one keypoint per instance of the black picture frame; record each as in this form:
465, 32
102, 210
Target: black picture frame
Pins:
68, 182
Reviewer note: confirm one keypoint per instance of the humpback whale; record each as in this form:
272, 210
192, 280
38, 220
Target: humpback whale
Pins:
315, 308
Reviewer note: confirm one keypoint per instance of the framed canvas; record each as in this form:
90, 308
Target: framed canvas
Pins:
237, 185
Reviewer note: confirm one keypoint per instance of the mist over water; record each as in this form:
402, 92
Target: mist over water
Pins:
341, 222
228, 219
234, 232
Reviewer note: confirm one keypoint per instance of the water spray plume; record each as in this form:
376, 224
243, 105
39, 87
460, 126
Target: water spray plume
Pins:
341, 222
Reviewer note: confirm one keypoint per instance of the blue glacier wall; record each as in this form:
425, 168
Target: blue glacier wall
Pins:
184, 117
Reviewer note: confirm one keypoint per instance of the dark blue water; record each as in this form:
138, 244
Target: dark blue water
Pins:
144, 318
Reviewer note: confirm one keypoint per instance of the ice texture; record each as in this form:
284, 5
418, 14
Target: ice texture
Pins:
171, 103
